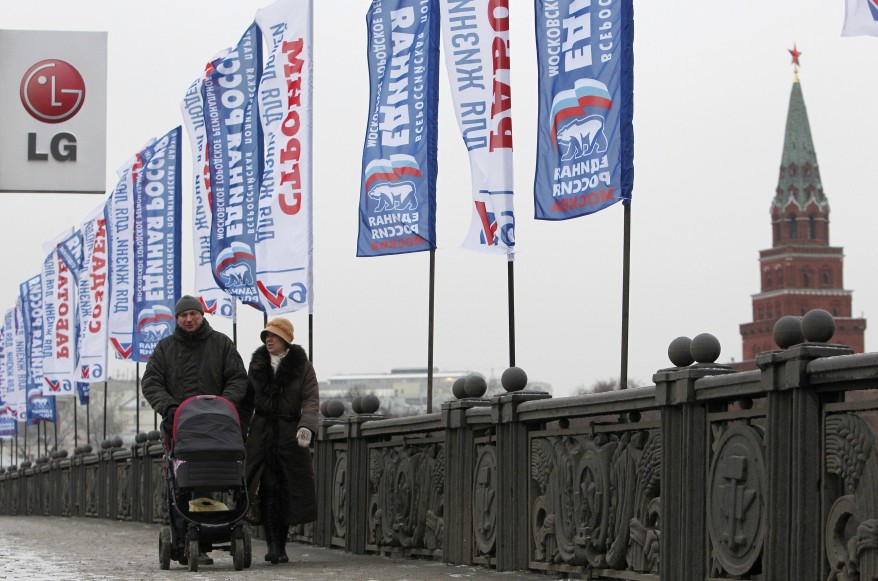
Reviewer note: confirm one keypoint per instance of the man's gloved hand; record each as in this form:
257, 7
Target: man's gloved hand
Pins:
168, 420
303, 436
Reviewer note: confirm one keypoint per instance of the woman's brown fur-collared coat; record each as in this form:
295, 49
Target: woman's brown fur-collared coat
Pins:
283, 402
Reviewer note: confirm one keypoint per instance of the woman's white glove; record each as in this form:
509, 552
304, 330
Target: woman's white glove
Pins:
304, 437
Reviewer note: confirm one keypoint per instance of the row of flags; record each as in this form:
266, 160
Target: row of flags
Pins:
585, 148
112, 282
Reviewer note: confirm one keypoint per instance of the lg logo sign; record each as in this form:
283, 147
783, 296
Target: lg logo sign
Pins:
52, 91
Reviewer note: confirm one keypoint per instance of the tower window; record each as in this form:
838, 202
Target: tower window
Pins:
780, 276
812, 227
806, 279
767, 279
825, 276
793, 231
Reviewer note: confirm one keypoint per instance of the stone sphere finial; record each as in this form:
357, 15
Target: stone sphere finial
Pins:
140, 438
370, 403
679, 352
116, 442
514, 379
356, 405
323, 407
818, 326
458, 388
788, 332
705, 348
475, 385
334, 409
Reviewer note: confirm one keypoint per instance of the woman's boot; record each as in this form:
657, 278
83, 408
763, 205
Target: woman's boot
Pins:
268, 509
281, 531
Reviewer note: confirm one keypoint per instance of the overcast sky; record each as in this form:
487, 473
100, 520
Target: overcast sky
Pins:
712, 84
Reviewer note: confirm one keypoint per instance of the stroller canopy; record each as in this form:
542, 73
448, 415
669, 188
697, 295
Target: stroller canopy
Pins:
207, 427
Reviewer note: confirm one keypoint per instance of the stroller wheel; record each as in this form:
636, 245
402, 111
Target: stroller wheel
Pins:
192, 556
248, 547
238, 553
165, 549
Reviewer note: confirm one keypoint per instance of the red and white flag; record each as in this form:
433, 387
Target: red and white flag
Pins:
284, 237
476, 38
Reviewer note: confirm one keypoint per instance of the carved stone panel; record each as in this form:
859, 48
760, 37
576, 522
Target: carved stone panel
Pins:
407, 487
91, 490
66, 481
484, 506
597, 500
339, 496
736, 500
159, 492
851, 530
123, 490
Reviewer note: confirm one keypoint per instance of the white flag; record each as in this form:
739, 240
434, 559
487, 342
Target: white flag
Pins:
93, 297
476, 38
59, 323
120, 234
860, 18
284, 239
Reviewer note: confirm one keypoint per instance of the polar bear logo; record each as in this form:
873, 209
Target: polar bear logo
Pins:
394, 197
154, 331
236, 275
583, 136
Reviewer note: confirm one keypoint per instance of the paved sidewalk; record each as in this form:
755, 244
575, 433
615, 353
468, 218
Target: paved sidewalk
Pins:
78, 548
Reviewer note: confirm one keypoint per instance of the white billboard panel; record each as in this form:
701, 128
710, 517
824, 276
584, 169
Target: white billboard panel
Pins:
53, 103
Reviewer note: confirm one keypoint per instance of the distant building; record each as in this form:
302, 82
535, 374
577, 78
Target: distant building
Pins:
801, 271
403, 391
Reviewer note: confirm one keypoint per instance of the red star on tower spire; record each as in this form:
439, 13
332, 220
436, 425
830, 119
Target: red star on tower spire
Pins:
795, 53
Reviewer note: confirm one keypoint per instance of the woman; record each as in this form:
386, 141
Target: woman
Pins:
283, 394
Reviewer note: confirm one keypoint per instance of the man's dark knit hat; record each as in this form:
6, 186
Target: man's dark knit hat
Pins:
188, 303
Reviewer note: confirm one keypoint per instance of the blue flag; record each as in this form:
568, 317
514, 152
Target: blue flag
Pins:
585, 143
234, 156
398, 185
157, 193
32, 318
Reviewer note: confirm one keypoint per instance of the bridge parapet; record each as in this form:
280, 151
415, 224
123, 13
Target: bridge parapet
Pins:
709, 474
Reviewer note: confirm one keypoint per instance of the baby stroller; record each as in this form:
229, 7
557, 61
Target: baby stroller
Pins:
207, 493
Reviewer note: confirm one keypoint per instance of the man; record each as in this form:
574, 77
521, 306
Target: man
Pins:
193, 360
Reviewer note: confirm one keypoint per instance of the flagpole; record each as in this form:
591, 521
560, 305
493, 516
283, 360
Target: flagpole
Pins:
105, 410
88, 419
25, 437
626, 283
235, 322
510, 278
137, 393
430, 331
75, 426
311, 337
